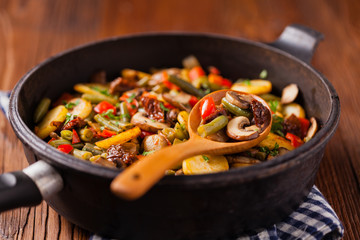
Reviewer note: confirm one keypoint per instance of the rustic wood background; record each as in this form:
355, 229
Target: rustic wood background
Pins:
31, 31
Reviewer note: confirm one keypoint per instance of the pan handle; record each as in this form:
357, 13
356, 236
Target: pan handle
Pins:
299, 40
29, 187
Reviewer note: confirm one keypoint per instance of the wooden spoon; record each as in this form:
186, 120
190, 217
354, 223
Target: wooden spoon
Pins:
137, 179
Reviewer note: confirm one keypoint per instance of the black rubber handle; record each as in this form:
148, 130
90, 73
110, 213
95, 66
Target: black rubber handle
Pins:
299, 40
18, 190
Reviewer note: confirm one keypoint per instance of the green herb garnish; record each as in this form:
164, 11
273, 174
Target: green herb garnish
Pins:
273, 152
147, 153
273, 105
205, 158
263, 74
102, 91
163, 107
277, 126
69, 117
131, 98
247, 82
110, 114
125, 115
133, 106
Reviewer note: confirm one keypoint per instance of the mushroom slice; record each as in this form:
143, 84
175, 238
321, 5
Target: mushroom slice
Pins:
144, 123
289, 93
240, 100
312, 130
236, 129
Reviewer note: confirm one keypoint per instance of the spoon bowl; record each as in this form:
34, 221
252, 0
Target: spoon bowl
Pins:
136, 180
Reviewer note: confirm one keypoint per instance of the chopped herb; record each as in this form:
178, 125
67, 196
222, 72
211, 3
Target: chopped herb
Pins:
277, 126
110, 114
117, 105
131, 98
273, 105
182, 127
133, 106
102, 91
263, 74
273, 152
64, 102
163, 107
205, 158
152, 120
247, 82
125, 115
69, 117
147, 153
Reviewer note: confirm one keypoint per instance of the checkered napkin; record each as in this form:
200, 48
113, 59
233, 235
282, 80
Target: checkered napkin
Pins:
313, 220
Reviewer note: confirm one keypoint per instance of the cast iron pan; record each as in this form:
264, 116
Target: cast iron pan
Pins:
210, 206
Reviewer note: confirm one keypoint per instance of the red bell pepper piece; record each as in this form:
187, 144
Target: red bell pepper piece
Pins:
295, 140
104, 106
106, 133
167, 83
304, 126
193, 100
131, 106
196, 72
75, 138
207, 107
168, 105
65, 148
219, 80
214, 70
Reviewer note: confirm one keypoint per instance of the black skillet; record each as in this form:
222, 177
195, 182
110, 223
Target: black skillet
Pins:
179, 207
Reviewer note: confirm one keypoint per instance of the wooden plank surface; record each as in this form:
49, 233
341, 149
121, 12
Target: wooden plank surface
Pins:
31, 31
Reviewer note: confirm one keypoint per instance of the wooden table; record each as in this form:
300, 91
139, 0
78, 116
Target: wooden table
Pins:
31, 31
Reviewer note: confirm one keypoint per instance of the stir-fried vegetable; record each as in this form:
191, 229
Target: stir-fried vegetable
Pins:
118, 123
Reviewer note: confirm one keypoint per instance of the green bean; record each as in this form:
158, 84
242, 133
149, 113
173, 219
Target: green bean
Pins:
96, 98
124, 112
213, 126
91, 148
270, 97
235, 109
58, 142
66, 134
41, 109
185, 86
106, 123
85, 155
78, 145
86, 134
181, 132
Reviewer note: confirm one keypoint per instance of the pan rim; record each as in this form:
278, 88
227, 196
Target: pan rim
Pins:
47, 153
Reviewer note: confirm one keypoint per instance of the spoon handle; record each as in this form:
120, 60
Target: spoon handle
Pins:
137, 179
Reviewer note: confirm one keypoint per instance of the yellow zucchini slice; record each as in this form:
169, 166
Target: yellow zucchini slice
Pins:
293, 108
203, 164
45, 127
119, 138
272, 138
256, 86
82, 107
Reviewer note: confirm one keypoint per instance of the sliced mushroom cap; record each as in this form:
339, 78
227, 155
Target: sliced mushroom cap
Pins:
154, 142
240, 100
236, 129
312, 130
289, 93
144, 123
180, 101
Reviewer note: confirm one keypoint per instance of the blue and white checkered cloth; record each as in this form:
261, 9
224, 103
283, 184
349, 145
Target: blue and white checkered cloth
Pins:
313, 220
